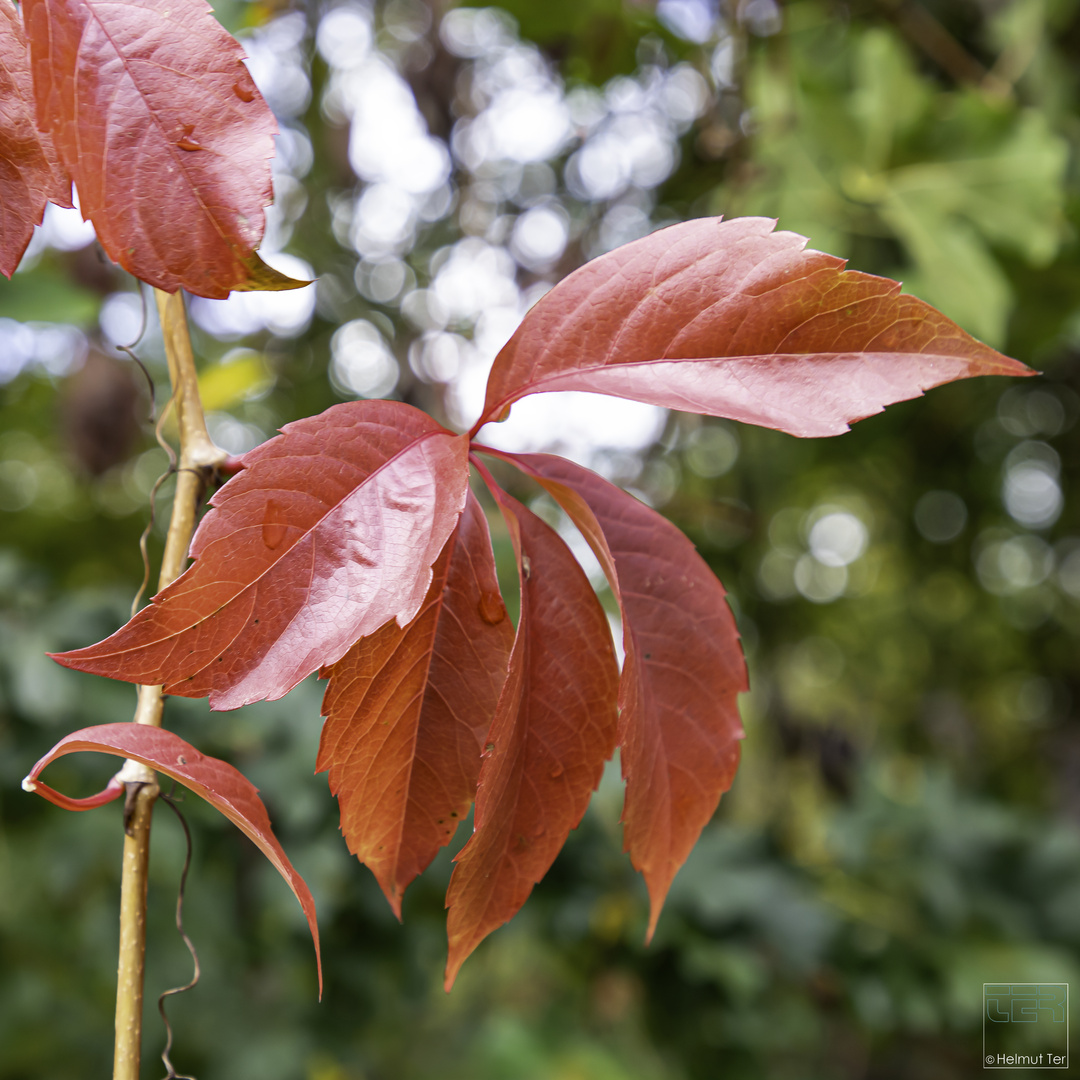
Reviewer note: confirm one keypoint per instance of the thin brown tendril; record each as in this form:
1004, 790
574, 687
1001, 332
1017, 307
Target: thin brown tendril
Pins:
161, 441
153, 504
172, 1074
146, 536
160, 420
130, 351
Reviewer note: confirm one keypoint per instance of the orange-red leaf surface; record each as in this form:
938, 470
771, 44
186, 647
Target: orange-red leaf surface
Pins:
679, 727
328, 532
554, 727
30, 172
214, 780
732, 319
161, 127
407, 711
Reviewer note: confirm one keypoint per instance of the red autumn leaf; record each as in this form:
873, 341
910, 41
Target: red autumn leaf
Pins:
214, 780
407, 711
30, 172
732, 319
329, 532
679, 726
554, 727
164, 133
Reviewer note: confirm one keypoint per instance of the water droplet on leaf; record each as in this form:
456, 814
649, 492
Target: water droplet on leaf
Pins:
275, 528
186, 142
492, 609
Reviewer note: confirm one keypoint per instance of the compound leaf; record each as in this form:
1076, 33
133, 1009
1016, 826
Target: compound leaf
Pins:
554, 727
329, 531
161, 127
216, 781
732, 319
30, 172
408, 708
679, 726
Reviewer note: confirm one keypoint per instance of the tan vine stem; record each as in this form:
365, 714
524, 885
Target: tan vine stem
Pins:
198, 459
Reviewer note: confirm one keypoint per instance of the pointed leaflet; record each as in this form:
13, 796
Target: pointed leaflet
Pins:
553, 730
164, 133
214, 780
30, 173
679, 726
329, 531
407, 710
732, 319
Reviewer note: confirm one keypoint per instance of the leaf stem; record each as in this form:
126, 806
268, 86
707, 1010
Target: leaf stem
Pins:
129, 976
198, 459
198, 454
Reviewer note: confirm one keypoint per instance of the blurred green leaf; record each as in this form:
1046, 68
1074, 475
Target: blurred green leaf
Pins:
45, 294
954, 270
852, 141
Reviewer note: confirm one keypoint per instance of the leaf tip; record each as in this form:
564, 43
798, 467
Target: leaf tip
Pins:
453, 966
113, 790
462, 944
657, 895
394, 897
262, 277
70, 659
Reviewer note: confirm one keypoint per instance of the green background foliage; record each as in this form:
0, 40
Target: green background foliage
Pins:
904, 826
